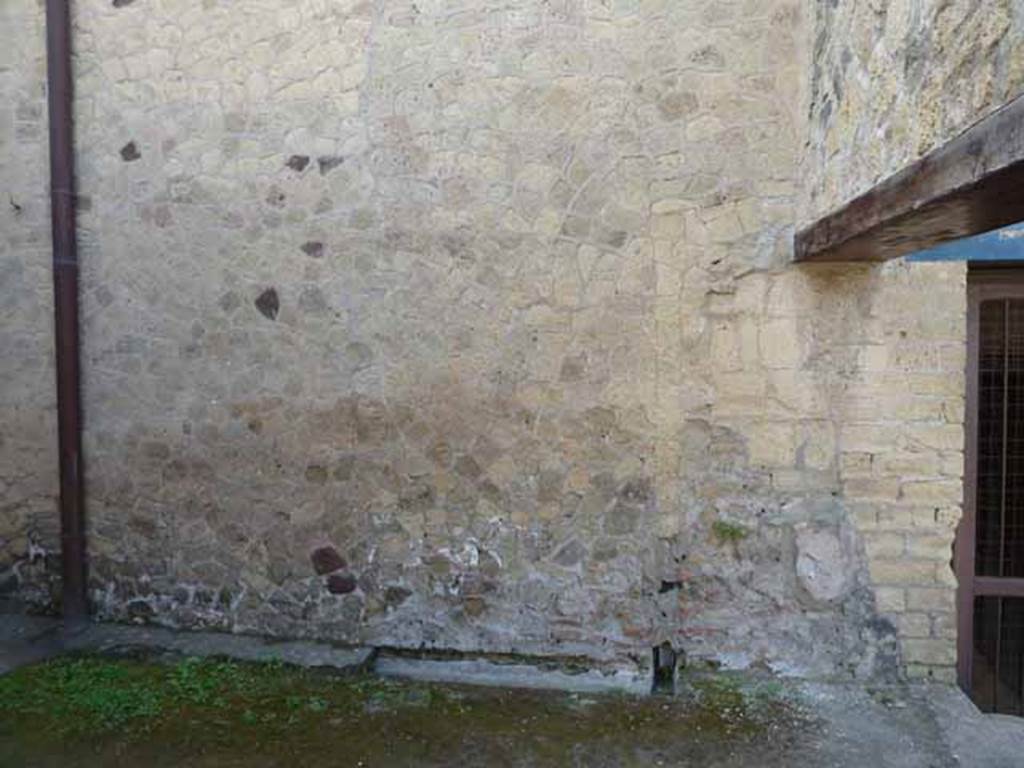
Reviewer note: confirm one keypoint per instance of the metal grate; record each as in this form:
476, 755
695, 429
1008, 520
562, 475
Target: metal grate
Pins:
999, 496
998, 679
997, 639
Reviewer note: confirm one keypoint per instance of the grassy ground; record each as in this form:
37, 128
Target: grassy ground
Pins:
93, 711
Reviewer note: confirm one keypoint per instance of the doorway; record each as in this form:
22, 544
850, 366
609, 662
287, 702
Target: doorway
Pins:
990, 543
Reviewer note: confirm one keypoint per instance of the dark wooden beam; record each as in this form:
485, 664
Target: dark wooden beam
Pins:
971, 185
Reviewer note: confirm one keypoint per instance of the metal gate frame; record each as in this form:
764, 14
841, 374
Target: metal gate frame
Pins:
983, 283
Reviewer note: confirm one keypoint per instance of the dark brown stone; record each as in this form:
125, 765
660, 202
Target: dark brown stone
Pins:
329, 163
267, 303
130, 152
341, 583
326, 560
313, 248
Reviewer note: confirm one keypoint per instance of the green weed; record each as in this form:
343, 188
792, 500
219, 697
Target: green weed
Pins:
729, 532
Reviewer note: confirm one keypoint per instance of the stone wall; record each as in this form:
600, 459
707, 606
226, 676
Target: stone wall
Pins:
482, 313
455, 326
893, 79
29, 535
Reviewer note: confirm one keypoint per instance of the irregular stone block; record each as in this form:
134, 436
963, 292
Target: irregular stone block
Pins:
268, 304
341, 583
130, 152
313, 249
823, 564
327, 560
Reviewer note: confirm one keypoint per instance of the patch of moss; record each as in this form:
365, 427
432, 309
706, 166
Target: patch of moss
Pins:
729, 532
82, 694
91, 694
732, 696
215, 713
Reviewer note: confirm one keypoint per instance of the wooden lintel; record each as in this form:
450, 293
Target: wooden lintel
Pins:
971, 185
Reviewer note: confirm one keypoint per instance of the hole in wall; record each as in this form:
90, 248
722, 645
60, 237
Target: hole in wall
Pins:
666, 660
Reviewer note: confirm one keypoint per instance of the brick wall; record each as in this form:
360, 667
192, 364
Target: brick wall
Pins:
901, 448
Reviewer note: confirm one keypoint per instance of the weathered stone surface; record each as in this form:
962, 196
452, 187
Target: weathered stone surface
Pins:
486, 672
570, 554
892, 81
29, 532
395, 595
557, 338
316, 474
823, 566
474, 606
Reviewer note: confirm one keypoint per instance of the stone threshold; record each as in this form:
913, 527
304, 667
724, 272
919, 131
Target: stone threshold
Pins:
502, 673
28, 639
